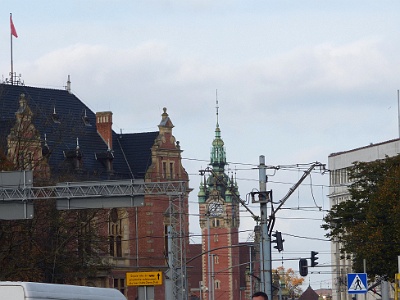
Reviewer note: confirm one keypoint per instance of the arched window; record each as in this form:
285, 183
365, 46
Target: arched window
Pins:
115, 234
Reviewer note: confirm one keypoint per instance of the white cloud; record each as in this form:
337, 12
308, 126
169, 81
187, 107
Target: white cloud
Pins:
151, 68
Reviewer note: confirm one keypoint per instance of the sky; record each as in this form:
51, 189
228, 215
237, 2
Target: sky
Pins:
295, 82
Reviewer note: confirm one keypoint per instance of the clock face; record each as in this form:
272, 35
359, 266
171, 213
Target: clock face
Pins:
215, 208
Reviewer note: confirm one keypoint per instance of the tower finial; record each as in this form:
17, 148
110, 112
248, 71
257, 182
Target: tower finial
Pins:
217, 107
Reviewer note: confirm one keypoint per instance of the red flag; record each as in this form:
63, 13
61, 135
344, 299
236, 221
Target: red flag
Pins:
13, 31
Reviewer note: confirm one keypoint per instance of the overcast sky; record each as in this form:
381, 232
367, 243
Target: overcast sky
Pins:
296, 81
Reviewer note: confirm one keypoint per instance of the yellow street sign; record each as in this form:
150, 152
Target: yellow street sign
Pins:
143, 278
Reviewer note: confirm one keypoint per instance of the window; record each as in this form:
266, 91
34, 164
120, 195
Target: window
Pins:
119, 284
216, 222
168, 169
171, 170
215, 237
345, 176
340, 177
118, 244
115, 234
216, 259
217, 284
164, 169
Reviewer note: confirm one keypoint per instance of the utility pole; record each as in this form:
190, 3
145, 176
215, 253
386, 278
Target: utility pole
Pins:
265, 240
212, 277
251, 271
267, 222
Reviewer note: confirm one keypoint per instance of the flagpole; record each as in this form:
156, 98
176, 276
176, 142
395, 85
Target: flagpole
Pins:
11, 39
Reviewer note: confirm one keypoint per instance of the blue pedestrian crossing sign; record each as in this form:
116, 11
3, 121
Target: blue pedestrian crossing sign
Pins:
357, 283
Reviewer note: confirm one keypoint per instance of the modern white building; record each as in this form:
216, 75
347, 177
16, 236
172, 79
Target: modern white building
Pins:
338, 164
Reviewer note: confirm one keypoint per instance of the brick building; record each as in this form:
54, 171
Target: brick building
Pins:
64, 140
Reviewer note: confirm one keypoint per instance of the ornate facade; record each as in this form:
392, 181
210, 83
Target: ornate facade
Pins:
57, 136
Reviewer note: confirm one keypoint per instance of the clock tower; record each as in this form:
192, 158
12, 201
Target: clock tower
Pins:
219, 221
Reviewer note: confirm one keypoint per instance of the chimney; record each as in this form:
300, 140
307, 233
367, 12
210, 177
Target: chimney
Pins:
104, 127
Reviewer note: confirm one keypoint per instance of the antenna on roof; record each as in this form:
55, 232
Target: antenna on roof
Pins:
68, 86
14, 79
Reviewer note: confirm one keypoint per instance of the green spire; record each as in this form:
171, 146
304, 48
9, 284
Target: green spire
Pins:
218, 155
226, 187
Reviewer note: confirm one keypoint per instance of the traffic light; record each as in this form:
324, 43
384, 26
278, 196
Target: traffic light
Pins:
278, 240
303, 267
314, 258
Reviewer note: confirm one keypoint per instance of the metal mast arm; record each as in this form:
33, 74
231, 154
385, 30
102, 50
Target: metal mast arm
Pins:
296, 185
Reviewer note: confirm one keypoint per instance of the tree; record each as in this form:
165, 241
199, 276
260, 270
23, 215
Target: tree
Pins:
5, 164
288, 281
368, 224
54, 247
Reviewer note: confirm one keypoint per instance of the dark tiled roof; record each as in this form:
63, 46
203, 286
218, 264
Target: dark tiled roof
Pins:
309, 294
136, 149
63, 136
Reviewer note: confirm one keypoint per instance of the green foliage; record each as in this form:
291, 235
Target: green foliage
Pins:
368, 225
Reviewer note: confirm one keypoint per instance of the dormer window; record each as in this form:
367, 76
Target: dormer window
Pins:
45, 148
75, 156
55, 116
86, 121
106, 158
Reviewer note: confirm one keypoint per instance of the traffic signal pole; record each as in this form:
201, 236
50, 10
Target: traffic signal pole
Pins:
265, 239
265, 234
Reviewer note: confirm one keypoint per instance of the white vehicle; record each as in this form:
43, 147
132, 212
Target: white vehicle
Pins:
10, 290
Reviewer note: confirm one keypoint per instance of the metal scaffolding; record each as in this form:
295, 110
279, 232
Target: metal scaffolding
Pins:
177, 241
91, 189
17, 202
